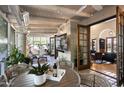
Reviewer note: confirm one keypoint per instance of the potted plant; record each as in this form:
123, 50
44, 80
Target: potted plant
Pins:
39, 73
15, 57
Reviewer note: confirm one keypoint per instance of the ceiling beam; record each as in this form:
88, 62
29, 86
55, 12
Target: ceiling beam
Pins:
81, 9
43, 30
39, 20
47, 19
42, 27
15, 11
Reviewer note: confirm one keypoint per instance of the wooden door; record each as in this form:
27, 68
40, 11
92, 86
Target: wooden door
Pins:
120, 46
83, 47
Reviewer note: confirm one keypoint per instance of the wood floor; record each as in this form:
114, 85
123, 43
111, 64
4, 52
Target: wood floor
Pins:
109, 69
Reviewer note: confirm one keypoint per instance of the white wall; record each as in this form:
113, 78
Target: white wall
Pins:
102, 30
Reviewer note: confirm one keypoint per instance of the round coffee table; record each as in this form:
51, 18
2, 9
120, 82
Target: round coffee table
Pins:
70, 79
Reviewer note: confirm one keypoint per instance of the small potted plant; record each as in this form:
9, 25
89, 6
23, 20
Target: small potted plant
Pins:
39, 73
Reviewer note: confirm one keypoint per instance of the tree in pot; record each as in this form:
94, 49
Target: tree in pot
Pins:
39, 73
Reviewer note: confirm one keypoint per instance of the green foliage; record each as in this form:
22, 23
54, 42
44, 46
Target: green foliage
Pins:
15, 57
39, 70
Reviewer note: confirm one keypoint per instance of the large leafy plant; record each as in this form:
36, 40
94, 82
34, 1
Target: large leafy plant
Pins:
15, 57
39, 70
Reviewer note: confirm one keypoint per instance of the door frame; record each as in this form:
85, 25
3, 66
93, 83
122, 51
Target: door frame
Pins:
120, 76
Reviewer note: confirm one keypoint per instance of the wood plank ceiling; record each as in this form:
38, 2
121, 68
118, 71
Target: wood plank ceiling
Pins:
47, 18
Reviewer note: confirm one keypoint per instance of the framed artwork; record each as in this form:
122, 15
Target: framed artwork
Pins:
61, 43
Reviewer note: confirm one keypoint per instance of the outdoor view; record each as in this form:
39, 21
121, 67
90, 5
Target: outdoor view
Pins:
3, 38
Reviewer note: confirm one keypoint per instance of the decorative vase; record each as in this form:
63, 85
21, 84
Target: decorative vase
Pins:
39, 79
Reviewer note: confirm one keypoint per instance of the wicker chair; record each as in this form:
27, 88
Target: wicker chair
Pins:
93, 80
12, 72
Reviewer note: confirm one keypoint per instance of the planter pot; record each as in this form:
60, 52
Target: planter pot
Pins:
39, 79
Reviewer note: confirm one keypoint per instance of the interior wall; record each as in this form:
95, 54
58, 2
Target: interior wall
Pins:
102, 30
73, 41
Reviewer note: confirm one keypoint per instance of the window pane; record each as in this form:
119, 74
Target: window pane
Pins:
85, 55
85, 62
81, 36
85, 37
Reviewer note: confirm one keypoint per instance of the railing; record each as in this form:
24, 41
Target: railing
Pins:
94, 80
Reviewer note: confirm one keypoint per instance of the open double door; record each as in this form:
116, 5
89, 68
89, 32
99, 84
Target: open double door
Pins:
83, 44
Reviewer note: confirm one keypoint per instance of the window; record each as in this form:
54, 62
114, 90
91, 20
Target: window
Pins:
3, 39
12, 38
38, 40
111, 44
3, 43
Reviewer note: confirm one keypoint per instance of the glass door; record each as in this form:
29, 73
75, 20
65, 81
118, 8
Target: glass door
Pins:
83, 47
120, 46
